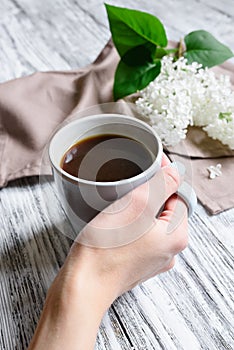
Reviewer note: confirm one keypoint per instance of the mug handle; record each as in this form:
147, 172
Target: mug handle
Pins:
187, 193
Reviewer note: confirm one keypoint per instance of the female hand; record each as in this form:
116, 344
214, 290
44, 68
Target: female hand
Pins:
92, 278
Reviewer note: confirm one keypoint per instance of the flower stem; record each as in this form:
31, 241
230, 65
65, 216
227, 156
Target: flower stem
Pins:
180, 48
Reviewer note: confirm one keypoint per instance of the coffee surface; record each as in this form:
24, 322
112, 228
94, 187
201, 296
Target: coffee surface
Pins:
106, 157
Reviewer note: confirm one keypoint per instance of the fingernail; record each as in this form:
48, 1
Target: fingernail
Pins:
179, 166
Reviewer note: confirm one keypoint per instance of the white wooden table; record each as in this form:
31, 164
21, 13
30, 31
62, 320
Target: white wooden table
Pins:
190, 307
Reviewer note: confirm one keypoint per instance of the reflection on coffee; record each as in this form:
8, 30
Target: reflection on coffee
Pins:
107, 157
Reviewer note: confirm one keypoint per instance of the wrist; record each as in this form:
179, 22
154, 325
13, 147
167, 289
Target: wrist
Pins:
86, 274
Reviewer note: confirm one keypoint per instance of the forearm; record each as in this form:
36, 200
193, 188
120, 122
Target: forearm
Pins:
70, 330
74, 307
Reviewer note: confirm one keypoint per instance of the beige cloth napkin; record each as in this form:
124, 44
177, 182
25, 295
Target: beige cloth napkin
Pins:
32, 107
197, 153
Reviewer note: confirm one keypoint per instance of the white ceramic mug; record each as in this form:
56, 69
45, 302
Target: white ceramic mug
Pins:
82, 199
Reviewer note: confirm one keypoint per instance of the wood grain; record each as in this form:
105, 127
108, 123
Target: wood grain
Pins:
189, 308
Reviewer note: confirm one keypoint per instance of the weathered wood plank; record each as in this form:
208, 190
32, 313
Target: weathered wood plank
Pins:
190, 307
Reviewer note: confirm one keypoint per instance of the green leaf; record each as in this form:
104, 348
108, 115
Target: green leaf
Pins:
203, 48
138, 55
130, 79
132, 28
160, 52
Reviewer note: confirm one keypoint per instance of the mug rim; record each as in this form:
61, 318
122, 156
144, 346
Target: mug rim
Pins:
107, 183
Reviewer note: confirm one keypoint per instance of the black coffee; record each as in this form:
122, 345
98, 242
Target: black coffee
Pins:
106, 157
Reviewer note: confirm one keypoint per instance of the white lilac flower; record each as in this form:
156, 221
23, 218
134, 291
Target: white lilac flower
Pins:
222, 129
184, 95
211, 96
